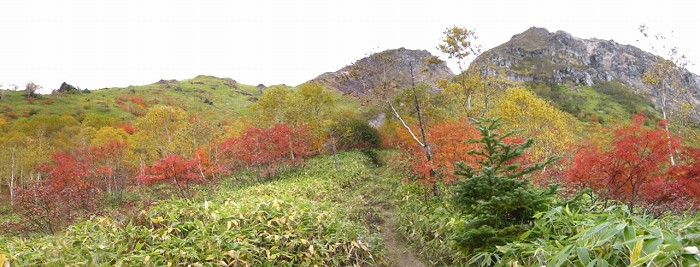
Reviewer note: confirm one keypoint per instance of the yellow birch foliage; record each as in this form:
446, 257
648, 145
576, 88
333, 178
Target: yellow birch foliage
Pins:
554, 130
109, 134
196, 134
155, 133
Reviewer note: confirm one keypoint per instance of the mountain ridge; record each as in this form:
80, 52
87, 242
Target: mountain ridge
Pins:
537, 55
364, 75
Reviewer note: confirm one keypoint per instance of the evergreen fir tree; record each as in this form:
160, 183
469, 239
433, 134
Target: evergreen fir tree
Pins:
498, 203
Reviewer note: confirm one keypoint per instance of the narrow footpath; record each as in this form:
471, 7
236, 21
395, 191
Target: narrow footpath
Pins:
400, 253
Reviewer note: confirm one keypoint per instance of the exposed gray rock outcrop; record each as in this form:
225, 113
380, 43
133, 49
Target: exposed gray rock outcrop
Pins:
392, 65
538, 55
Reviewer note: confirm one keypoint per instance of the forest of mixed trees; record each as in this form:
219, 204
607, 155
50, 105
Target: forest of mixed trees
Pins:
476, 170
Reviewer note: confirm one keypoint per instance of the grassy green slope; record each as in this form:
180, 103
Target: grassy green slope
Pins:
606, 101
312, 216
208, 96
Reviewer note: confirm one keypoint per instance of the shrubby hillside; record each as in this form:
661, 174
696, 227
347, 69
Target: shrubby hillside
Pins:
546, 150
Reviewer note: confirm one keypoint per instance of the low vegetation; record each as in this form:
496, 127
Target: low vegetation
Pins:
303, 218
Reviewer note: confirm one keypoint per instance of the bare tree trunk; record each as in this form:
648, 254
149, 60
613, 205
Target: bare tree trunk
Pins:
142, 165
216, 159
463, 83
469, 101
666, 126
167, 133
426, 146
398, 116
291, 149
199, 166
12, 179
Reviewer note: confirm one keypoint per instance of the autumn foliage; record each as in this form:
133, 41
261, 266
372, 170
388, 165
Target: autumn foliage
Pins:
72, 170
128, 128
171, 169
46, 208
637, 168
448, 144
685, 177
258, 147
75, 180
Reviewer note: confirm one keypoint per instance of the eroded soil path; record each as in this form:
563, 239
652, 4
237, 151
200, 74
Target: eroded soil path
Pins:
377, 199
400, 253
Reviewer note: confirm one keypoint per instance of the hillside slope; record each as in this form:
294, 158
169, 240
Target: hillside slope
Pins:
391, 65
312, 216
206, 95
539, 55
585, 68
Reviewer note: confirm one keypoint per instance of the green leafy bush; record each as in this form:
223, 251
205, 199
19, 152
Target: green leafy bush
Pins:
628, 99
612, 237
353, 133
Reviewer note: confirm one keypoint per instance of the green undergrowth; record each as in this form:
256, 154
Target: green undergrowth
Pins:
558, 237
610, 236
589, 235
428, 223
311, 216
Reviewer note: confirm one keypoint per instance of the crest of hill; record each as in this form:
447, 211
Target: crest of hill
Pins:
392, 65
539, 56
218, 98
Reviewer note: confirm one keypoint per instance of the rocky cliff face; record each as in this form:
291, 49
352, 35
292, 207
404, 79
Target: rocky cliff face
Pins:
392, 66
538, 55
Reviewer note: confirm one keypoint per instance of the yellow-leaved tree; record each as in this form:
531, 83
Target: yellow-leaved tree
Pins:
108, 134
155, 133
554, 130
273, 106
310, 104
196, 134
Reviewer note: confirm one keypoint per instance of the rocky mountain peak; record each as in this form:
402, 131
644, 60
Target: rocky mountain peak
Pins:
537, 55
390, 65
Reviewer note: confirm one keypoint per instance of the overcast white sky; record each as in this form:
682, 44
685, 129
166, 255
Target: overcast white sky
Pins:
106, 43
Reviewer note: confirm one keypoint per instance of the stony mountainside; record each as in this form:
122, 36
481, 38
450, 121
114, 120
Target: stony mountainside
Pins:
538, 55
390, 66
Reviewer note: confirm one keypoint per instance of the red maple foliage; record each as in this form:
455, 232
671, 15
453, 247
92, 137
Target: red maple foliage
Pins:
44, 208
637, 168
138, 101
69, 170
679, 188
448, 143
108, 165
171, 169
257, 147
128, 128
75, 180
206, 165
120, 100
